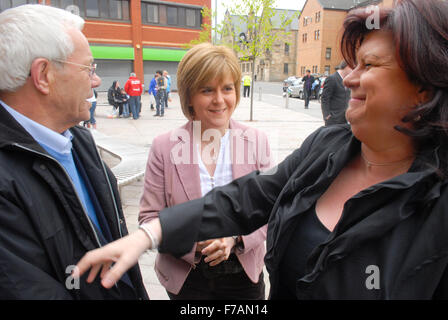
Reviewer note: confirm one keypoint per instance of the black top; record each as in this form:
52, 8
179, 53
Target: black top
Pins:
397, 226
308, 234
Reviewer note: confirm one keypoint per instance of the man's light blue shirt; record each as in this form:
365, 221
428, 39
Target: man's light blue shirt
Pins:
59, 146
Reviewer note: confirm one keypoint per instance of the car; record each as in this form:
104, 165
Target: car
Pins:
288, 82
321, 89
296, 89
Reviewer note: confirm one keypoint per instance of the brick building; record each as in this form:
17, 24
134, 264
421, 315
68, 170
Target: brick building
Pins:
133, 35
320, 31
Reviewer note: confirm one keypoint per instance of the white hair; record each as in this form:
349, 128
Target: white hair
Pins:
29, 32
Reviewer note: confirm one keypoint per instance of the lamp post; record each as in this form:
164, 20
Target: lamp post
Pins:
243, 39
216, 21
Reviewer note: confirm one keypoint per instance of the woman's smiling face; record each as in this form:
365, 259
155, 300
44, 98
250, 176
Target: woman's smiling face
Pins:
214, 103
381, 93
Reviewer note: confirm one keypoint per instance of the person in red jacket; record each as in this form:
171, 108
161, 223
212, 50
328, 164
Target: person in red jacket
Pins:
134, 89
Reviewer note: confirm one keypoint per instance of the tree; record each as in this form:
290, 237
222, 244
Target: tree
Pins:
248, 29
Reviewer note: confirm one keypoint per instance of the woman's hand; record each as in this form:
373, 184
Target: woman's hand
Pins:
216, 250
123, 254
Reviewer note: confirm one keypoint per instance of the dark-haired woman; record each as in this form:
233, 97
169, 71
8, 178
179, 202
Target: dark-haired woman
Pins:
357, 212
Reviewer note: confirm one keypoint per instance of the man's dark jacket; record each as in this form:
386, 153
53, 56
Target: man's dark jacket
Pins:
335, 97
44, 230
390, 243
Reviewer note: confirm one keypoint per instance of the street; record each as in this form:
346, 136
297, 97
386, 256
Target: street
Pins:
272, 93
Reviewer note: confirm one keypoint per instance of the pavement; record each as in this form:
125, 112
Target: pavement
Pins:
286, 129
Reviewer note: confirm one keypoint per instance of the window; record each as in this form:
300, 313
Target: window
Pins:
162, 14
318, 16
104, 9
115, 11
328, 54
171, 15
287, 49
92, 9
307, 20
304, 37
152, 13
190, 16
7, 4
302, 70
285, 68
327, 70
16, 3
317, 35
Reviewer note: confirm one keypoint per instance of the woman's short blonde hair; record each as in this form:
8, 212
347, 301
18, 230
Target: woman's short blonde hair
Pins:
201, 64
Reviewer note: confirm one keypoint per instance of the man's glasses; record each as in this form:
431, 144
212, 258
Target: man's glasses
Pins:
92, 67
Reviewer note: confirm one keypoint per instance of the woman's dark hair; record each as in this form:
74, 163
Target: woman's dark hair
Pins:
420, 31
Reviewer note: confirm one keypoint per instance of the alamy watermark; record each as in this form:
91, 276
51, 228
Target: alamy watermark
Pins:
373, 280
247, 147
373, 20
71, 283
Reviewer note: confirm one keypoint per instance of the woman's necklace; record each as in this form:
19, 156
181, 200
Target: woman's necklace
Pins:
371, 164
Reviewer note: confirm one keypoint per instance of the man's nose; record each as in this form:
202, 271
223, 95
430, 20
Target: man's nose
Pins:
95, 81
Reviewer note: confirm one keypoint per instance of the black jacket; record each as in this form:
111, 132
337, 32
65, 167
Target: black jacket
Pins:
114, 95
399, 226
44, 230
335, 98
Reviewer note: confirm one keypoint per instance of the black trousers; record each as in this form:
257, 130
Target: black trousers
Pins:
200, 286
307, 94
246, 92
120, 109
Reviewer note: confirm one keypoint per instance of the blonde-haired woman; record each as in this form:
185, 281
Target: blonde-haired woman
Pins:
184, 164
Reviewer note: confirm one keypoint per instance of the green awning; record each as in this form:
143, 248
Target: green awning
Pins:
163, 54
127, 53
115, 53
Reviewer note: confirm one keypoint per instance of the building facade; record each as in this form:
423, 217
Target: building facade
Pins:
320, 32
139, 36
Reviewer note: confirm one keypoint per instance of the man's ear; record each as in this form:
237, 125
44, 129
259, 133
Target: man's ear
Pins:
41, 74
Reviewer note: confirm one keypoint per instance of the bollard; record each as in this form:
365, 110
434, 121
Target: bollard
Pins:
287, 100
259, 94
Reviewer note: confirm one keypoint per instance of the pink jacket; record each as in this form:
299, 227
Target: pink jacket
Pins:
169, 181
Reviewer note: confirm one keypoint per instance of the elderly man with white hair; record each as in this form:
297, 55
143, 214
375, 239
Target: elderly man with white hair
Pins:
57, 198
